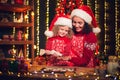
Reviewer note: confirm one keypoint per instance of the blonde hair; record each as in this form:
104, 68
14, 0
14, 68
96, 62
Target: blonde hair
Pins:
56, 29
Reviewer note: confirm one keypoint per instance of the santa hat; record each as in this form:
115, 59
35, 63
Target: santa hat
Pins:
58, 20
86, 14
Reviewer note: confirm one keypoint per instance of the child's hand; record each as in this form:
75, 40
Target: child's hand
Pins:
50, 52
57, 54
53, 52
64, 58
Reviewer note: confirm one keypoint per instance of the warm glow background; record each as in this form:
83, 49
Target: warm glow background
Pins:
106, 12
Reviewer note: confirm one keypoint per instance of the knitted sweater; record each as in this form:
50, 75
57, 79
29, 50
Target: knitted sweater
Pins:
83, 47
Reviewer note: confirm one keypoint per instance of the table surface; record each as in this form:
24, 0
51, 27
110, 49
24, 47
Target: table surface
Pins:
37, 73
39, 77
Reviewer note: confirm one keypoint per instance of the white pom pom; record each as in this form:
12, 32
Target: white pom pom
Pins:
96, 30
48, 33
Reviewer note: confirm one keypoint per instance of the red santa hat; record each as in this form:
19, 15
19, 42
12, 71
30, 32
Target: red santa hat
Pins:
86, 14
58, 20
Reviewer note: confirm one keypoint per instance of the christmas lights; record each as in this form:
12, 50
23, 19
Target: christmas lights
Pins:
37, 27
27, 31
105, 27
97, 17
116, 29
13, 28
96, 10
47, 15
88, 3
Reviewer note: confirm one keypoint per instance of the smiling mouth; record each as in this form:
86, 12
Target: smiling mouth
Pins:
79, 28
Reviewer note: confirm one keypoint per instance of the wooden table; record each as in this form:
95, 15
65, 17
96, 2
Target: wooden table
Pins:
36, 73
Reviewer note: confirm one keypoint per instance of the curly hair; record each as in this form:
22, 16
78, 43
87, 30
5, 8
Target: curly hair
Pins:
56, 28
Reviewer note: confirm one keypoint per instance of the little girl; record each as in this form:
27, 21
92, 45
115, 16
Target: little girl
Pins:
58, 44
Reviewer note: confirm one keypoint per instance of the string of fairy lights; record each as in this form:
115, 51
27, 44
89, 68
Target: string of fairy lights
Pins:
27, 30
96, 10
88, 3
116, 21
37, 28
47, 14
38, 24
105, 26
14, 29
116, 29
97, 17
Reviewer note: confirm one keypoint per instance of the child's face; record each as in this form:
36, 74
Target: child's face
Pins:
63, 31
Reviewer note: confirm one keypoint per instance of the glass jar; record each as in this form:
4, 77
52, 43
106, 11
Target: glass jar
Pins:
112, 65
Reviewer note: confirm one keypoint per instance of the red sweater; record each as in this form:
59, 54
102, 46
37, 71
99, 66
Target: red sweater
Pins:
83, 47
60, 44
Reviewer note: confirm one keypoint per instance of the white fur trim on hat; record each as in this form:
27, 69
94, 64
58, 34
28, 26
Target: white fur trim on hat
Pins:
96, 30
48, 33
64, 21
82, 14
